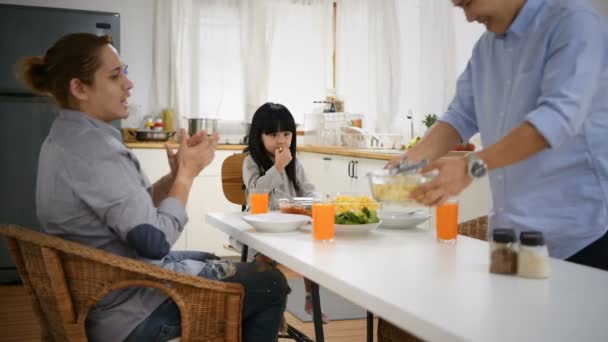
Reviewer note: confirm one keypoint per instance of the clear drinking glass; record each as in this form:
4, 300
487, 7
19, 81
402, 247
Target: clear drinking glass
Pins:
323, 220
447, 221
258, 199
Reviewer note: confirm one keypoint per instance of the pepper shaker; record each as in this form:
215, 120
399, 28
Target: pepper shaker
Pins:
503, 252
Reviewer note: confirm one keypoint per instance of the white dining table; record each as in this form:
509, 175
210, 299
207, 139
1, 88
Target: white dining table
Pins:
440, 292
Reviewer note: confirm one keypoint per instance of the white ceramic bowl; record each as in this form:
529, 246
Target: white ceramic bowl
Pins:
276, 222
402, 219
355, 229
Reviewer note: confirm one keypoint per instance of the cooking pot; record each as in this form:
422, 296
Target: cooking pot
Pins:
196, 125
148, 135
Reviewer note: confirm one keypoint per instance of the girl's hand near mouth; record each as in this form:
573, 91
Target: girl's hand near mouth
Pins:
282, 157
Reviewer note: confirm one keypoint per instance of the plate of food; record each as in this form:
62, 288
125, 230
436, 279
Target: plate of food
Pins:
276, 222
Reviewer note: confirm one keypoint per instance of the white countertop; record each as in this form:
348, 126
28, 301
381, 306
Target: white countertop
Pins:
437, 291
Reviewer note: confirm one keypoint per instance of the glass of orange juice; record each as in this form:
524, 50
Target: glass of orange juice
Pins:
447, 221
258, 199
323, 219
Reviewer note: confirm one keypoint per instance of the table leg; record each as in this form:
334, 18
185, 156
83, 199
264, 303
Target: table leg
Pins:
316, 312
370, 326
244, 253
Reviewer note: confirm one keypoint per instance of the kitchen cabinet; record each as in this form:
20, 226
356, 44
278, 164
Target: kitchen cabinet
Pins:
320, 170
334, 173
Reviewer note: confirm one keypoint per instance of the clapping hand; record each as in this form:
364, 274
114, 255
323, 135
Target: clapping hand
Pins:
195, 152
172, 153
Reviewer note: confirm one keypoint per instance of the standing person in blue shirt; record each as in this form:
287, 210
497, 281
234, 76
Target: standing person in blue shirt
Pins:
536, 89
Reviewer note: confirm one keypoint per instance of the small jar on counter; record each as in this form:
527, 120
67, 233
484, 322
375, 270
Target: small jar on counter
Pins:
158, 125
503, 252
533, 255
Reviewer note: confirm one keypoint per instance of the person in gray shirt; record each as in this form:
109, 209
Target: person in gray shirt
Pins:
91, 190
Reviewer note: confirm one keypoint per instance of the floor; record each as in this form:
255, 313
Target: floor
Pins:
335, 331
16, 317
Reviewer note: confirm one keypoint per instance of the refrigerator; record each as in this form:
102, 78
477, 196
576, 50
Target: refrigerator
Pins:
25, 117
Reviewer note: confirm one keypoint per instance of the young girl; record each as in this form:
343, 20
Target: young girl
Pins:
272, 164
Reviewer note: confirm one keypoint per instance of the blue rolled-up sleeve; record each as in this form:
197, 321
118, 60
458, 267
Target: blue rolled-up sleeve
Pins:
570, 78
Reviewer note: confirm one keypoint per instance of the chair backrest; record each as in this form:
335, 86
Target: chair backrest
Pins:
232, 179
65, 279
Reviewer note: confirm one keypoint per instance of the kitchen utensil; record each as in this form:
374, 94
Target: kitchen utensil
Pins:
407, 166
149, 135
360, 138
196, 125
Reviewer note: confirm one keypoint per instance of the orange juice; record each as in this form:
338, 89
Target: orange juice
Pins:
259, 203
323, 218
447, 221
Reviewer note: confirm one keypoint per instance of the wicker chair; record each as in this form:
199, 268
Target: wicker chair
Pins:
475, 228
64, 279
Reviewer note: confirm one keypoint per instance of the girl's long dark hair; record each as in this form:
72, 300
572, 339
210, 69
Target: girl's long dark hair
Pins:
272, 118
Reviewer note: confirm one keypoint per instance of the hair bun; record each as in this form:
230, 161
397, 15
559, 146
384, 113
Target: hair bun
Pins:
35, 73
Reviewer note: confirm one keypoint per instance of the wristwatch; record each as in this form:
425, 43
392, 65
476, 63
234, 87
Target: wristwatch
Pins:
476, 167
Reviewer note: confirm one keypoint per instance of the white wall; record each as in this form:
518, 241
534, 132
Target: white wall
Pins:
136, 36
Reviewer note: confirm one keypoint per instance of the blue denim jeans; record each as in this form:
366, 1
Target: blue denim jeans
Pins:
263, 306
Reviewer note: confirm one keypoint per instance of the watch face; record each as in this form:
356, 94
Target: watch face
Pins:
478, 170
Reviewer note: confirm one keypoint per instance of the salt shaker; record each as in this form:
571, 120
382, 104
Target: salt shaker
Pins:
533, 259
503, 252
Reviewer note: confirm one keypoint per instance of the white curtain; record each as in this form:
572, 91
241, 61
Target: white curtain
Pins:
225, 58
217, 81
300, 67
368, 66
170, 84
257, 21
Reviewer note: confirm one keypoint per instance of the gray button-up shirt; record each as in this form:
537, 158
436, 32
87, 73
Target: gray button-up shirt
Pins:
91, 190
